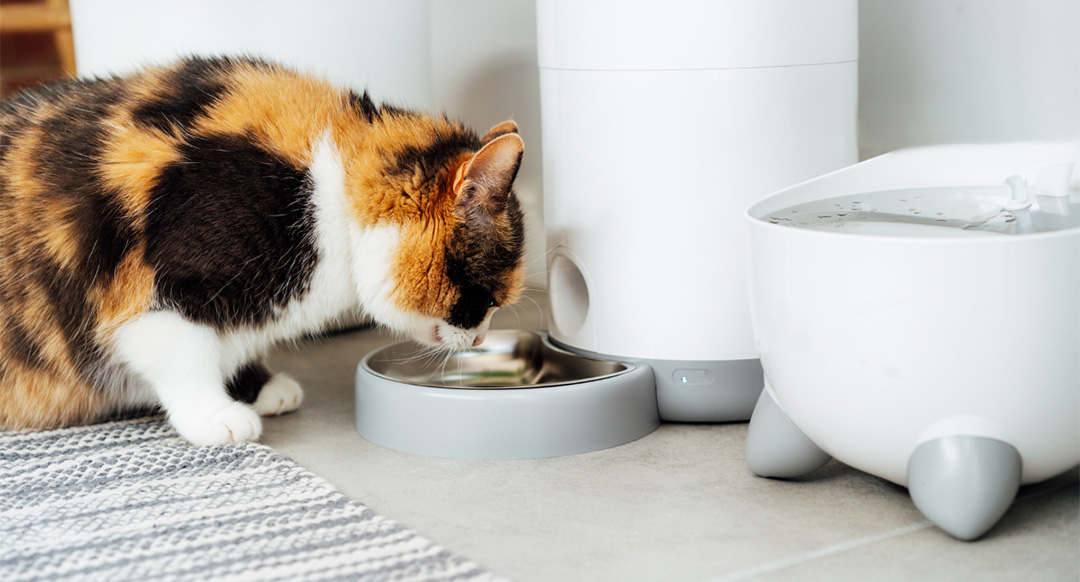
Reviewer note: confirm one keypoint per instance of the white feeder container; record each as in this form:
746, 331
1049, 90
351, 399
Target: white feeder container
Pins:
921, 322
661, 122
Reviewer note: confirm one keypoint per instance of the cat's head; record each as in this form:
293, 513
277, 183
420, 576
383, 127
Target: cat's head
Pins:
448, 227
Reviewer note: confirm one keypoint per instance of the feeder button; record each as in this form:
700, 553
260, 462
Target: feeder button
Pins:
692, 376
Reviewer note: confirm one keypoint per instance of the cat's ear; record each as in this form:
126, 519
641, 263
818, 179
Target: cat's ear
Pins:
500, 130
482, 184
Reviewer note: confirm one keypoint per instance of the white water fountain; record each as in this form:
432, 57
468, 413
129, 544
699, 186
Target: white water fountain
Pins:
918, 318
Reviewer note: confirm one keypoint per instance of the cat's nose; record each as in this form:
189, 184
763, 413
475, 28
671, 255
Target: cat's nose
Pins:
481, 333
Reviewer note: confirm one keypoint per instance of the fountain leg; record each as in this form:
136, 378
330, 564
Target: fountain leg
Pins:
964, 484
775, 447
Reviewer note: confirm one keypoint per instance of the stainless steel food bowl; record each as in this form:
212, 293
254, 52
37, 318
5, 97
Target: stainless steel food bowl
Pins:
515, 396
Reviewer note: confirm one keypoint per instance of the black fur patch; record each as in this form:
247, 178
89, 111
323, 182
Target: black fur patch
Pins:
21, 345
471, 307
436, 156
363, 106
393, 110
246, 384
12, 125
191, 89
67, 296
229, 232
477, 262
68, 158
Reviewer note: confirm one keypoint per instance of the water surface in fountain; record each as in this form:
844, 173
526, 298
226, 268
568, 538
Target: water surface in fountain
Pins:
975, 211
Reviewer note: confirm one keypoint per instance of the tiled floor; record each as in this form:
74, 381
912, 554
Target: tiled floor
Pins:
678, 504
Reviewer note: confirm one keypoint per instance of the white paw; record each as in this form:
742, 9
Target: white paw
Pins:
279, 395
232, 423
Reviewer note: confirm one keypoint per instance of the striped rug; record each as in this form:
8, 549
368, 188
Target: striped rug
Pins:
130, 500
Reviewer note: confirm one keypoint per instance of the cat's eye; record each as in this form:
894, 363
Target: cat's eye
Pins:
493, 303
468, 192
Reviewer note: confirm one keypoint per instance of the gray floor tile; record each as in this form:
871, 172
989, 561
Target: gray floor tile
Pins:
678, 504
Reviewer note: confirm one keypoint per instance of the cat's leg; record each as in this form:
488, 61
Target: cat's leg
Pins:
245, 384
182, 363
270, 394
280, 395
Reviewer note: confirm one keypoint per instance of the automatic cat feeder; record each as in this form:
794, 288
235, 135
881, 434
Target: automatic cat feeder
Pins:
661, 122
918, 318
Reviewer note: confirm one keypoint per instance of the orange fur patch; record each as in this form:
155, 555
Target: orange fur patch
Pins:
28, 203
132, 160
126, 296
286, 111
38, 399
418, 268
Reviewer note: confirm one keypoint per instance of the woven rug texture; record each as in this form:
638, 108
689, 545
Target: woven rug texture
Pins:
131, 500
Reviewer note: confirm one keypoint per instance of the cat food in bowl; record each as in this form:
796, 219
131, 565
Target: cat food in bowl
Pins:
514, 396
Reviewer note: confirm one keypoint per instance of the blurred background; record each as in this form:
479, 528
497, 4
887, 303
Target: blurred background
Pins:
35, 43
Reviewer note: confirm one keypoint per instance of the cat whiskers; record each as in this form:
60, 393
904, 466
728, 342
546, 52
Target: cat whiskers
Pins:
442, 366
427, 355
517, 306
543, 256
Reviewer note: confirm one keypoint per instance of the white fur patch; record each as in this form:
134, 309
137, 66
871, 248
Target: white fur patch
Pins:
182, 363
281, 394
455, 338
374, 248
331, 292
186, 365
373, 263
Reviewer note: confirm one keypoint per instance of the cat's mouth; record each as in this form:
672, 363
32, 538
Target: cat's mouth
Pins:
453, 338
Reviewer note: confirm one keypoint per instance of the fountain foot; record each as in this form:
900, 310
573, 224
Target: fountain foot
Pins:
775, 447
964, 484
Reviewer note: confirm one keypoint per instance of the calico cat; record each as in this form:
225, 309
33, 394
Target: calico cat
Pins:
160, 232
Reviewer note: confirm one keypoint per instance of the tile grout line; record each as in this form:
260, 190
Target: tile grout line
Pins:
856, 543
823, 552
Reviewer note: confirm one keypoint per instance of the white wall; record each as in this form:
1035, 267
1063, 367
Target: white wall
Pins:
364, 43
955, 71
483, 71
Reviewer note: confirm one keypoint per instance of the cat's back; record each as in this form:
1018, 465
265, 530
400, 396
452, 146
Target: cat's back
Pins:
95, 179
80, 160
98, 124
88, 168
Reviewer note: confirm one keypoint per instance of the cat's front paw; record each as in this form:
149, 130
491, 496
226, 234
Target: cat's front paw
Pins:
232, 423
279, 395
